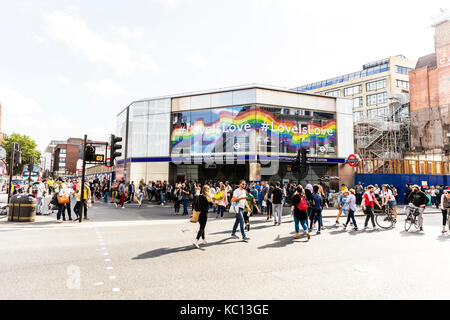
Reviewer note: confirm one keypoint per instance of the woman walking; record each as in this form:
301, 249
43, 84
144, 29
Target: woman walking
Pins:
351, 207
222, 202
445, 207
202, 204
299, 211
177, 197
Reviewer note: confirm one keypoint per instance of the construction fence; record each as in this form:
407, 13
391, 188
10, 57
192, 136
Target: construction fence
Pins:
403, 166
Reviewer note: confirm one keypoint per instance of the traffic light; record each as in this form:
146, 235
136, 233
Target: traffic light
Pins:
31, 164
114, 148
17, 158
89, 154
303, 163
299, 164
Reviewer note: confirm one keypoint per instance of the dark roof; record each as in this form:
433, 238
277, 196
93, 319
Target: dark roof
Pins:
427, 61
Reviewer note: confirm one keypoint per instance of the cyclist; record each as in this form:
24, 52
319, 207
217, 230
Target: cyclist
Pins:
445, 207
417, 199
388, 200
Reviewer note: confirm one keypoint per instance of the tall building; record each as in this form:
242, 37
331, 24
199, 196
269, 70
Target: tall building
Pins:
430, 98
380, 95
249, 132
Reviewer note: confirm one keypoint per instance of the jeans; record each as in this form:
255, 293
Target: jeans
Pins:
277, 212
369, 215
239, 220
185, 206
358, 198
105, 196
61, 209
220, 210
77, 208
304, 224
162, 198
317, 214
39, 205
351, 215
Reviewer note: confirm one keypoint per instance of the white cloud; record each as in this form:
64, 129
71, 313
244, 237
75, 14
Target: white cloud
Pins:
129, 33
198, 61
25, 115
105, 87
73, 31
63, 80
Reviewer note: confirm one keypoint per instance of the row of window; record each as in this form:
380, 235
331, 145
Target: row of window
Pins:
335, 93
371, 114
352, 90
403, 84
375, 85
374, 99
402, 70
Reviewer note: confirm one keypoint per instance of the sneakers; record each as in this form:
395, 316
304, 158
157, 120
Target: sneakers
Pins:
337, 222
245, 239
355, 229
344, 225
375, 228
204, 241
59, 221
275, 223
234, 236
421, 229
308, 235
196, 245
318, 232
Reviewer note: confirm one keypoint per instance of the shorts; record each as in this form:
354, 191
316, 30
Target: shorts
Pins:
391, 204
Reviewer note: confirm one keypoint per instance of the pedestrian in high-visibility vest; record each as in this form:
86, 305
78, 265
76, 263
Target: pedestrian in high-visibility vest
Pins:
86, 199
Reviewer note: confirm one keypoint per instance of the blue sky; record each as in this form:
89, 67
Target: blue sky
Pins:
68, 67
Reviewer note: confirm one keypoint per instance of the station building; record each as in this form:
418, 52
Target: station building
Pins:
249, 132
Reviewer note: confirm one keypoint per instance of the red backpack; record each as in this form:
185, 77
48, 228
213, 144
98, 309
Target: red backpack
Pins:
303, 205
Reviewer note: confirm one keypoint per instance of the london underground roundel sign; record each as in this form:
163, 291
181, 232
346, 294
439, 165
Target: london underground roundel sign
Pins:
353, 160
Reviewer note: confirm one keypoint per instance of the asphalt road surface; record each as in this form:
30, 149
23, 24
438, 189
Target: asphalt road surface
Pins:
147, 253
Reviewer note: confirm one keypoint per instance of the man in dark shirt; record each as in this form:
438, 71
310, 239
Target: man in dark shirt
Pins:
417, 199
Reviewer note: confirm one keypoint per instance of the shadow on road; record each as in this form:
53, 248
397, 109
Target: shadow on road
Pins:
164, 251
415, 233
283, 242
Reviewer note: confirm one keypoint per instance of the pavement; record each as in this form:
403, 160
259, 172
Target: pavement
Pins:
147, 253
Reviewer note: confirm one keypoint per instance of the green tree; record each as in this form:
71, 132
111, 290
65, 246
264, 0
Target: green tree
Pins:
27, 148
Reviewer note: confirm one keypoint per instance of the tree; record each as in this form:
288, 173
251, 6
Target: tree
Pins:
27, 148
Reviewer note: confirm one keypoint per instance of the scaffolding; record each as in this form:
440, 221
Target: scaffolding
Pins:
386, 136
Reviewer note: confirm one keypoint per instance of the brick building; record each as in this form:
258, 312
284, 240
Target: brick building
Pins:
430, 98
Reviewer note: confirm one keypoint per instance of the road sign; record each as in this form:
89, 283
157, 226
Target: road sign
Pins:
99, 158
107, 163
353, 160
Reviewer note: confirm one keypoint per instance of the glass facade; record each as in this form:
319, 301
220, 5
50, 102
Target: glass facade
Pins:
251, 129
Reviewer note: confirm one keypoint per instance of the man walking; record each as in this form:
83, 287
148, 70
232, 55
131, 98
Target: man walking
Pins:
277, 204
240, 196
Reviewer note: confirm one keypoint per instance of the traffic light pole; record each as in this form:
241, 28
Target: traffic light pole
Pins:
11, 169
82, 180
30, 170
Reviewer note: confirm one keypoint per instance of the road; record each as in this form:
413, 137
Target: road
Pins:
147, 253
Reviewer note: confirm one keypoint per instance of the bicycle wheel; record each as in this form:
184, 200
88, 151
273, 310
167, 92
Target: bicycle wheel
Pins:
384, 220
407, 224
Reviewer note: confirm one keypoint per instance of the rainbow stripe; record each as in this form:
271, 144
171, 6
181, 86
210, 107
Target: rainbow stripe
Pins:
210, 134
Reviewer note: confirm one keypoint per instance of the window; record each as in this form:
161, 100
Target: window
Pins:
357, 102
357, 116
62, 151
352, 90
335, 93
378, 98
378, 113
62, 160
403, 70
375, 85
403, 84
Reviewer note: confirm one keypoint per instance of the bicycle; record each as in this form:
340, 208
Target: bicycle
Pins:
412, 219
385, 218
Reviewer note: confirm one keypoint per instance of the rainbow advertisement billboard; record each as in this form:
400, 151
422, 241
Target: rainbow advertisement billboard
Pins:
258, 123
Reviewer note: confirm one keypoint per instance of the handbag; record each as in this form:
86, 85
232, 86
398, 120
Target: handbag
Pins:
234, 208
63, 199
218, 195
195, 213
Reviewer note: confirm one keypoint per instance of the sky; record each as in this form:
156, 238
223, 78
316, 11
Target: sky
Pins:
67, 68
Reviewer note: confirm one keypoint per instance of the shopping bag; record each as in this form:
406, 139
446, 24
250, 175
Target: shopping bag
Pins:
234, 208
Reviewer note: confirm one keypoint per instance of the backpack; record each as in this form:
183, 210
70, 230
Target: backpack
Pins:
303, 204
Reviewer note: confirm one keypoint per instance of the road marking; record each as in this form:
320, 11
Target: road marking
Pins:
107, 260
112, 277
103, 248
98, 284
109, 268
116, 289
105, 253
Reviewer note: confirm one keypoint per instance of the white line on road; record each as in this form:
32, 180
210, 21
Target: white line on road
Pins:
109, 268
105, 253
107, 260
112, 277
99, 284
116, 289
